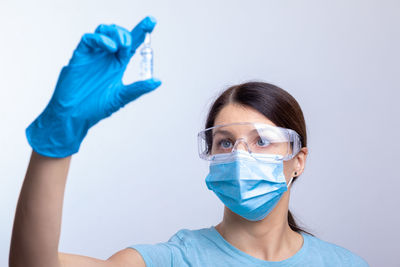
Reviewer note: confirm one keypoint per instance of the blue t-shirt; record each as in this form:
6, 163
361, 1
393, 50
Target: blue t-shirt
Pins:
206, 247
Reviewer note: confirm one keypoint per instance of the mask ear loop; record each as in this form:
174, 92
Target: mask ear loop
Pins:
290, 182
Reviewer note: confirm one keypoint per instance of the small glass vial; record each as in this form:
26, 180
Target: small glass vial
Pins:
146, 65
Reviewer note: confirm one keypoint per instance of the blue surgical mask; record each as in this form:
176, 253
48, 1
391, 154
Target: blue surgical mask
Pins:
250, 185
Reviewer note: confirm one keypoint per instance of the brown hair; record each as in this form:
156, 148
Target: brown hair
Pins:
271, 101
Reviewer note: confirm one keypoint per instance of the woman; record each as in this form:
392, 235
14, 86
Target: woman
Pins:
255, 140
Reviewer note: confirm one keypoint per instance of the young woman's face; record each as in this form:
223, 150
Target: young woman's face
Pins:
233, 113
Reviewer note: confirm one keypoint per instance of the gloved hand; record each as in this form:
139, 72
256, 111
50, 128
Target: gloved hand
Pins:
89, 89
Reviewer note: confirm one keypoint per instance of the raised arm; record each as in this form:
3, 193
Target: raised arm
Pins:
88, 90
37, 224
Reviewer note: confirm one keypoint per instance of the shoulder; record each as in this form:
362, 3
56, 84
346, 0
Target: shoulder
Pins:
185, 233
193, 237
183, 247
332, 252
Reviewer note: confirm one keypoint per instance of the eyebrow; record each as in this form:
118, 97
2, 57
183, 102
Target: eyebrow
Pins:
225, 132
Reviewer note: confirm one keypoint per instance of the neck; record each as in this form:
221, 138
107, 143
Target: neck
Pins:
270, 239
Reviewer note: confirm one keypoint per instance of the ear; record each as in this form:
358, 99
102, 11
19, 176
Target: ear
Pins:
300, 161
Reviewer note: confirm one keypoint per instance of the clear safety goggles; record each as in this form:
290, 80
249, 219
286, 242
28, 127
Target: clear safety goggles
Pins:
255, 138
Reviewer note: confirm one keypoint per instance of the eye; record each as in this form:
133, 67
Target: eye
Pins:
263, 142
225, 143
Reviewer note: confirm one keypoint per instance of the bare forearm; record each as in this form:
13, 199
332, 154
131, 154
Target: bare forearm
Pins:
37, 222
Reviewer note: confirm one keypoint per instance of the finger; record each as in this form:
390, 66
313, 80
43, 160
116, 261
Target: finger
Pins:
119, 35
93, 41
136, 89
138, 33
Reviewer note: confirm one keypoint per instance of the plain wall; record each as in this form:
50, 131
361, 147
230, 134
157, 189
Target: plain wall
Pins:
137, 177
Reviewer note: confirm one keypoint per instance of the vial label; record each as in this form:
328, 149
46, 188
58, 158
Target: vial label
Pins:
146, 65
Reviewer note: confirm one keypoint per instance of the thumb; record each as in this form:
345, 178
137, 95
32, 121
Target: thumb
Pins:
132, 91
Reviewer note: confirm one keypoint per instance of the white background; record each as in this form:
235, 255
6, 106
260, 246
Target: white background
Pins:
138, 179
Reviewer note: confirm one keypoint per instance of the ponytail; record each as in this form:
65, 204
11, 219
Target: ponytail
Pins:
293, 225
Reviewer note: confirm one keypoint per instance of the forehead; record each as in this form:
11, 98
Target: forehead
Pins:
232, 113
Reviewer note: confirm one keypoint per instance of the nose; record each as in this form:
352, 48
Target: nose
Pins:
242, 145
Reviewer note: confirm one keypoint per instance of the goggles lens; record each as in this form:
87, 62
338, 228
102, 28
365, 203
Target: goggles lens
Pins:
254, 137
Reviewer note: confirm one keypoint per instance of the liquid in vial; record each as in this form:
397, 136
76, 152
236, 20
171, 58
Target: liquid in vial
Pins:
146, 65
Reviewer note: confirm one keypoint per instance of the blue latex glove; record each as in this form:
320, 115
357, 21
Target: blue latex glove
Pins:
89, 89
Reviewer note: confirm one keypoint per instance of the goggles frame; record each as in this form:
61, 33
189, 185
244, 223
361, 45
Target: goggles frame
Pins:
294, 141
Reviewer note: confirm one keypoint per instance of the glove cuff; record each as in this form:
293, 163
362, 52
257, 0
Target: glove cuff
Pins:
53, 135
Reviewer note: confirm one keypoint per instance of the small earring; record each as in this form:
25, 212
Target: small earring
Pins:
295, 173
